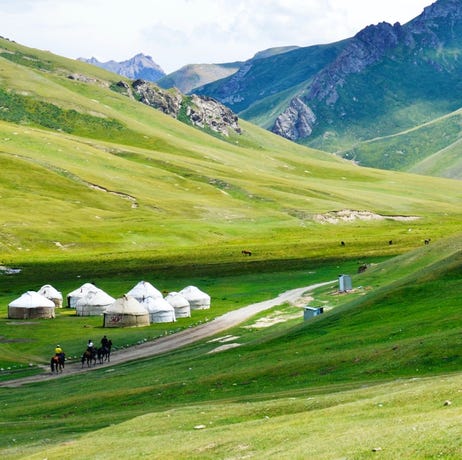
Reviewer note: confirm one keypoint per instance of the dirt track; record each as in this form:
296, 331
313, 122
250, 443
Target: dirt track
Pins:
179, 339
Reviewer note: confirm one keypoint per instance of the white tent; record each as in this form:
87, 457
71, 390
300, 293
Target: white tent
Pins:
53, 294
75, 295
126, 312
180, 305
93, 303
197, 299
31, 305
160, 311
143, 290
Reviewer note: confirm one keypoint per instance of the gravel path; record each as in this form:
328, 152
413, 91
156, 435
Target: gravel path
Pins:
179, 339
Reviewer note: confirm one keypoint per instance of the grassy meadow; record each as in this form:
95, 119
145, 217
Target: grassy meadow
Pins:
96, 187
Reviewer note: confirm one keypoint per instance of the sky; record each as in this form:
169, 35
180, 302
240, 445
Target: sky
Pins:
179, 32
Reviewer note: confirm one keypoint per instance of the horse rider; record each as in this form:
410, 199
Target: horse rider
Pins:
59, 353
90, 346
105, 342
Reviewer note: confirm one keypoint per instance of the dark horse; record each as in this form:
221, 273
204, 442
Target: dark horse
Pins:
104, 354
245, 252
89, 357
57, 363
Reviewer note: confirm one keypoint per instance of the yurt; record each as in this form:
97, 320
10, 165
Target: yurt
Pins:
126, 312
73, 296
53, 294
31, 305
197, 299
143, 290
160, 311
180, 304
93, 303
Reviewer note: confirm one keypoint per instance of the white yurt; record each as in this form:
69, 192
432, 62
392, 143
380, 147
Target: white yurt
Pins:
75, 295
93, 303
160, 311
180, 304
143, 290
53, 294
31, 305
126, 312
197, 299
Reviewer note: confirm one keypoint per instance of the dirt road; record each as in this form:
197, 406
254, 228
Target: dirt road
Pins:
179, 339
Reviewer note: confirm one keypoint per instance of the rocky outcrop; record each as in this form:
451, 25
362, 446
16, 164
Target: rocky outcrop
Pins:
296, 121
201, 111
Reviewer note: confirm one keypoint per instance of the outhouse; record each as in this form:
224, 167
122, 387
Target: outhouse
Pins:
310, 312
344, 283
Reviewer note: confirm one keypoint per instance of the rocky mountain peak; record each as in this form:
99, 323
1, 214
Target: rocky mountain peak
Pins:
139, 66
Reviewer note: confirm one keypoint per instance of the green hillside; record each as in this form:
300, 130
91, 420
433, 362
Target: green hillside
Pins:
409, 150
364, 94
139, 182
382, 361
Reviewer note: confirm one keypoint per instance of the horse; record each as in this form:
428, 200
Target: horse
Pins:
89, 357
57, 363
104, 354
246, 253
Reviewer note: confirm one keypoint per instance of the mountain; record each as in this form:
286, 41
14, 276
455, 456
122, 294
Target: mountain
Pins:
139, 66
384, 81
192, 76
88, 170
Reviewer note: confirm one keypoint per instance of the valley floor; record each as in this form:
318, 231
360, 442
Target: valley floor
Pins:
179, 339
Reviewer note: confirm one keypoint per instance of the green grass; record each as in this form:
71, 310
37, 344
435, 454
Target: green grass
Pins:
174, 206
390, 328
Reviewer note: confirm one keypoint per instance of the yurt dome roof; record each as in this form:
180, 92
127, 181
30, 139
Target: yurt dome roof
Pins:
31, 299
126, 305
98, 297
157, 304
177, 300
50, 292
82, 290
194, 293
143, 290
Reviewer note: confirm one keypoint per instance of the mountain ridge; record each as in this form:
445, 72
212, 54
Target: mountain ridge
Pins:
139, 66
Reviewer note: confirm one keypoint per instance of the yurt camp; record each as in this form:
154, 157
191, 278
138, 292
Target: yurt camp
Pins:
53, 294
31, 305
126, 312
143, 290
197, 299
160, 311
180, 304
93, 303
75, 295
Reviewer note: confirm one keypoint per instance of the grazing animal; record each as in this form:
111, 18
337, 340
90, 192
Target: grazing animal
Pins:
362, 268
342, 243
390, 242
89, 357
246, 253
427, 241
57, 363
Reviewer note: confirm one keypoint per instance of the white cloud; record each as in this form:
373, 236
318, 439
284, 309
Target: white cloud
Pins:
178, 32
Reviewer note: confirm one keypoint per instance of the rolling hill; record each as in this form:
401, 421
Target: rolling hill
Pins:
94, 171
384, 81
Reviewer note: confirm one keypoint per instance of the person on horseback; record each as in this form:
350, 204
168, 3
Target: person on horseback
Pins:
90, 346
105, 342
58, 350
